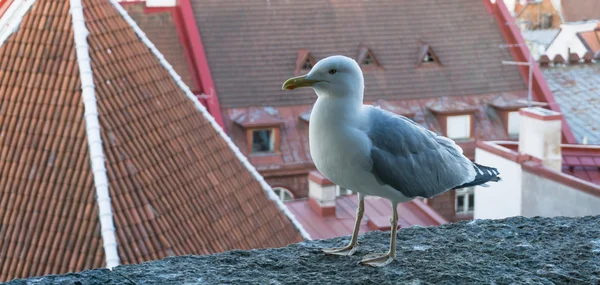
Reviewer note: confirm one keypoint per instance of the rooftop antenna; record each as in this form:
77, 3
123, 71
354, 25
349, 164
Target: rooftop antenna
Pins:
522, 63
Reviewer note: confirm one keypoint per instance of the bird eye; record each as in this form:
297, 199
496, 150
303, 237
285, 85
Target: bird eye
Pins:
332, 71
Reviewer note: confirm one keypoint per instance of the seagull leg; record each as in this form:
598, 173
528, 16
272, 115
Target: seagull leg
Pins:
380, 261
351, 248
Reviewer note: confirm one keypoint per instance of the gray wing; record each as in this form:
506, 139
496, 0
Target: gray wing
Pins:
414, 160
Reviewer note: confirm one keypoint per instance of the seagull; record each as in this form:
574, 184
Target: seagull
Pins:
375, 152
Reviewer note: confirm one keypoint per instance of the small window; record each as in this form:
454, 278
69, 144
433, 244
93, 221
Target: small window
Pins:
307, 64
514, 120
465, 201
458, 127
283, 194
428, 58
263, 141
368, 60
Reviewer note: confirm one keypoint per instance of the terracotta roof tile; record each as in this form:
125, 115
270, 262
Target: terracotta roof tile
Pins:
160, 29
251, 51
176, 186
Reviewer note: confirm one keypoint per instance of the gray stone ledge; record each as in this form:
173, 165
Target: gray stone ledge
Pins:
510, 251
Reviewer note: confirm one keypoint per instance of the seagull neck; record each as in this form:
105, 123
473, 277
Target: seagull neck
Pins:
336, 108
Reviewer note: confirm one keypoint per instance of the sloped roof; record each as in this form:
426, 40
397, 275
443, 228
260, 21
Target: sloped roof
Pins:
580, 10
294, 145
252, 47
177, 183
377, 214
161, 29
591, 39
576, 88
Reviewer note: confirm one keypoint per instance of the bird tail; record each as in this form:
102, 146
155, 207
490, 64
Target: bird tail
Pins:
484, 174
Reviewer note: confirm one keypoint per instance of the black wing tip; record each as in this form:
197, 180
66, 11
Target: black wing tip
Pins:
484, 174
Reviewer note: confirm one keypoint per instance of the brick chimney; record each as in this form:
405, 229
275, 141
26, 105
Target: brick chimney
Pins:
540, 135
321, 194
161, 3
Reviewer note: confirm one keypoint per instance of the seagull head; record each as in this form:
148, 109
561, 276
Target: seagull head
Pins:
337, 76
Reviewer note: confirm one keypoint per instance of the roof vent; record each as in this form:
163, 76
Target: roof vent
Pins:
558, 59
573, 57
367, 59
588, 57
544, 61
304, 62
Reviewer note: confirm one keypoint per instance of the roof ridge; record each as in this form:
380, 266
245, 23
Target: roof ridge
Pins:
210, 118
92, 129
10, 21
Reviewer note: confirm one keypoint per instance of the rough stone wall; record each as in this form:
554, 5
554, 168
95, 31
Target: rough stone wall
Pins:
510, 251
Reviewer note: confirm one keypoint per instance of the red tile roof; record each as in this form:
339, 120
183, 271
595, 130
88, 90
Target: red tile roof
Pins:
580, 10
173, 31
177, 186
294, 150
252, 47
376, 217
582, 162
576, 88
159, 26
520, 52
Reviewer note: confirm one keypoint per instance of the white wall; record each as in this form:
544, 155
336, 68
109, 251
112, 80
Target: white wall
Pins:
502, 199
567, 38
547, 198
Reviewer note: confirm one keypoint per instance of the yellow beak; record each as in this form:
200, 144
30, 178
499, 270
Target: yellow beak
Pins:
297, 82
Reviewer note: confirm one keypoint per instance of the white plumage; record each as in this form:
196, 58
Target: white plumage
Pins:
375, 152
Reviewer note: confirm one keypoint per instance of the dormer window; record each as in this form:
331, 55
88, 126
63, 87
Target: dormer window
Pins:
263, 140
427, 56
366, 59
458, 127
304, 62
262, 130
507, 108
456, 118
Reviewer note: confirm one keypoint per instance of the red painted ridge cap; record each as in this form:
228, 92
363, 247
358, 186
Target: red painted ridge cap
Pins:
200, 61
562, 178
495, 147
520, 52
4, 4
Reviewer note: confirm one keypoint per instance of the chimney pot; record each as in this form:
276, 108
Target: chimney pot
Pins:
321, 194
540, 135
